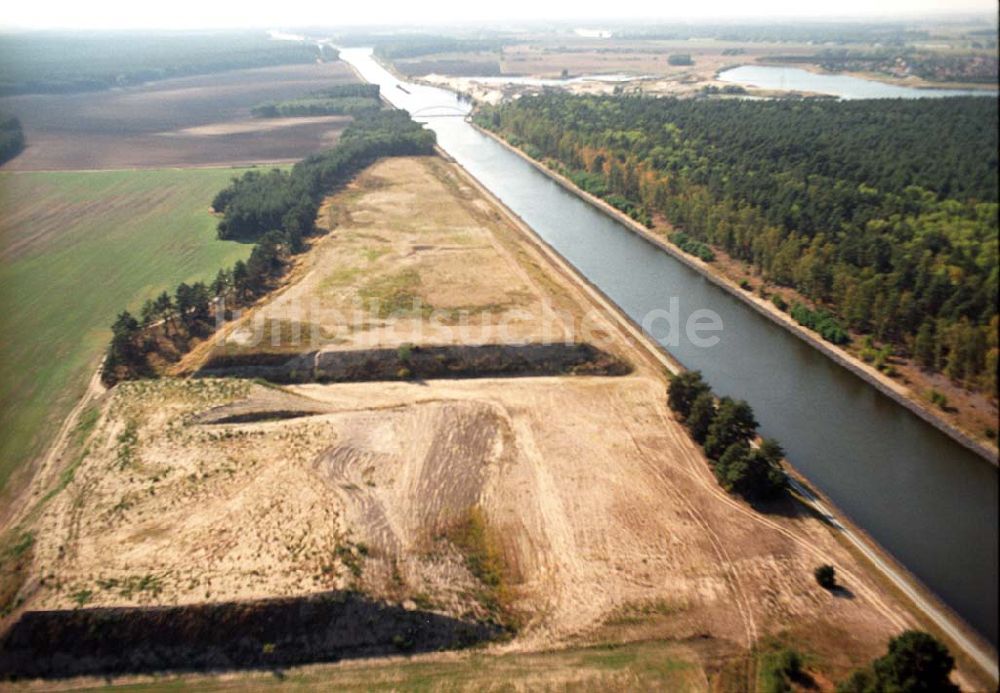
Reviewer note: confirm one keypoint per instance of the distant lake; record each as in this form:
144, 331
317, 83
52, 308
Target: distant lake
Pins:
844, 86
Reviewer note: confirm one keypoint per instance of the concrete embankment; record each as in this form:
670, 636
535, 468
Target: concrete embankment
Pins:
944, 620
883, 384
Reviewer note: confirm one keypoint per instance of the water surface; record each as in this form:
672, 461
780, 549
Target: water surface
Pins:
844, 86
923, 497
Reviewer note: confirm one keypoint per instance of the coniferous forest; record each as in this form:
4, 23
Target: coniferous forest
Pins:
882, 213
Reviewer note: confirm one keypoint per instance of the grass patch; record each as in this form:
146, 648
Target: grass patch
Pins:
16, 553
634, 613
658, 666
394, 294
344, 276
75, 248
483, 553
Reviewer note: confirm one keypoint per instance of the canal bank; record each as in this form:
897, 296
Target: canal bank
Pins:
929, 501
870, 375
943, 621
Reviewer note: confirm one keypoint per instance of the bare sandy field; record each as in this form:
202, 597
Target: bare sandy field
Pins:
190, 121
600, 518
643, 59
414, 256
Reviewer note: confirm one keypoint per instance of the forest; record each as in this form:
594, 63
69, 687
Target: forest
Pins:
343, 99
11, 138
883, 214
276, 210
973, 66
53, 62
399, 47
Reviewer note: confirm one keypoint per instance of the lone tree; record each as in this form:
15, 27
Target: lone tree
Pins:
916, 663
826, 576
684, 390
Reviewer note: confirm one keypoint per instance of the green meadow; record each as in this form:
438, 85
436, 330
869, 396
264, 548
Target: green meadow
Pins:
76, 248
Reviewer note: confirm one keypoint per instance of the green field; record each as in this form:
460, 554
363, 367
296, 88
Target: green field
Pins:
75, 248
654, 665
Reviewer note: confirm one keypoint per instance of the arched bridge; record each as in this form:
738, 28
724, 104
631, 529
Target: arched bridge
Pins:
441, 111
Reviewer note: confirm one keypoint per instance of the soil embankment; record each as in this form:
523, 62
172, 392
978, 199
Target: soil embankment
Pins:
262, 634
453, 361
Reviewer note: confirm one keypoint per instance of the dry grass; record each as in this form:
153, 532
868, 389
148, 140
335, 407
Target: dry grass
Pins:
595, 515
413, 257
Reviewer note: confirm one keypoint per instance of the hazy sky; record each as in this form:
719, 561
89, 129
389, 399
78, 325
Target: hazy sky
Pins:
286, 13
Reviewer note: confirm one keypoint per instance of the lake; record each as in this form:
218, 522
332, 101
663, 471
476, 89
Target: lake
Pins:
844, 86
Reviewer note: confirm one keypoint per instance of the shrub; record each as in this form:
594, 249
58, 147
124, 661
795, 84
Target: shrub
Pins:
691, 246
916, 663
826, 576
778, 669
820, 321
938, 399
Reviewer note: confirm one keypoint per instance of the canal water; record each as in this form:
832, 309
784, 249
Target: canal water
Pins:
924, 498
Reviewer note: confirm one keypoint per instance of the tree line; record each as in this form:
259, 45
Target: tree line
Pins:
52, 62
275, 210
343, 99
883, 213
725, 428
11, 138
399, 47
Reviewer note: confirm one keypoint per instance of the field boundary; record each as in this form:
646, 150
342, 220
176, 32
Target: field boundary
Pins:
881, 383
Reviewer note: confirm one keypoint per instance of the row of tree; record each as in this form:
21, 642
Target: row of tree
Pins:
277, 211
11, 138
882, 213
915, 661
168, 325
726, 429
260, 202
343, 99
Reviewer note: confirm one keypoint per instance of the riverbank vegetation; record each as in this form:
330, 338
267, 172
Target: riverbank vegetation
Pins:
57, 62
915, 661
274, 210
726, 428
11, 138
343, 99
883, 214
